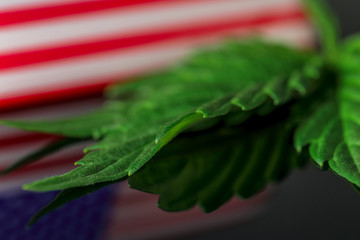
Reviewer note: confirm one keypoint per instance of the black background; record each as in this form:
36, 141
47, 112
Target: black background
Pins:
309, 204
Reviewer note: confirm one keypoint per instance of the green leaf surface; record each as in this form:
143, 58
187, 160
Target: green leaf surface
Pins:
63, 198
209, 167
143, 116
229, 157
223, 149
333, 131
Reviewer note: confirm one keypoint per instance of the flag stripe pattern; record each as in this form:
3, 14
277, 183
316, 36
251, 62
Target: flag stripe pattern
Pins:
51, 51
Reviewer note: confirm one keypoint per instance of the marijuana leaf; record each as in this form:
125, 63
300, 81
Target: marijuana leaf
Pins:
208, 168
142, 117
333, 131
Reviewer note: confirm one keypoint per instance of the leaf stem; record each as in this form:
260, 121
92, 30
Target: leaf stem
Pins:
327, 27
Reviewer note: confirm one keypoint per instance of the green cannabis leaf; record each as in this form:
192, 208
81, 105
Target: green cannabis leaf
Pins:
208, 168
144, 116
333, 131
64, 197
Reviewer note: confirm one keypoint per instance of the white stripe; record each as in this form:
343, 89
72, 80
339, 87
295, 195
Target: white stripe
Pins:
59, 110
90, 27
74, 72
23, 4
13, 153
296, 33
7, 132
78, 71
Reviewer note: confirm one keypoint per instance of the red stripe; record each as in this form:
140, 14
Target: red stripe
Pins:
46, 98
62, 52
37, 13
25, 138
24, 99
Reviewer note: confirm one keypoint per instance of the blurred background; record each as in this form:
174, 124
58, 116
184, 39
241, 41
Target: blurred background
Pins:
309, 204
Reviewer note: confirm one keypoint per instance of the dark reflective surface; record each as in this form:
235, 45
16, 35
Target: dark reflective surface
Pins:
308, 205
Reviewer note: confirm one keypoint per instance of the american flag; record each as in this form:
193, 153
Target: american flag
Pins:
56, 57
60, 49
